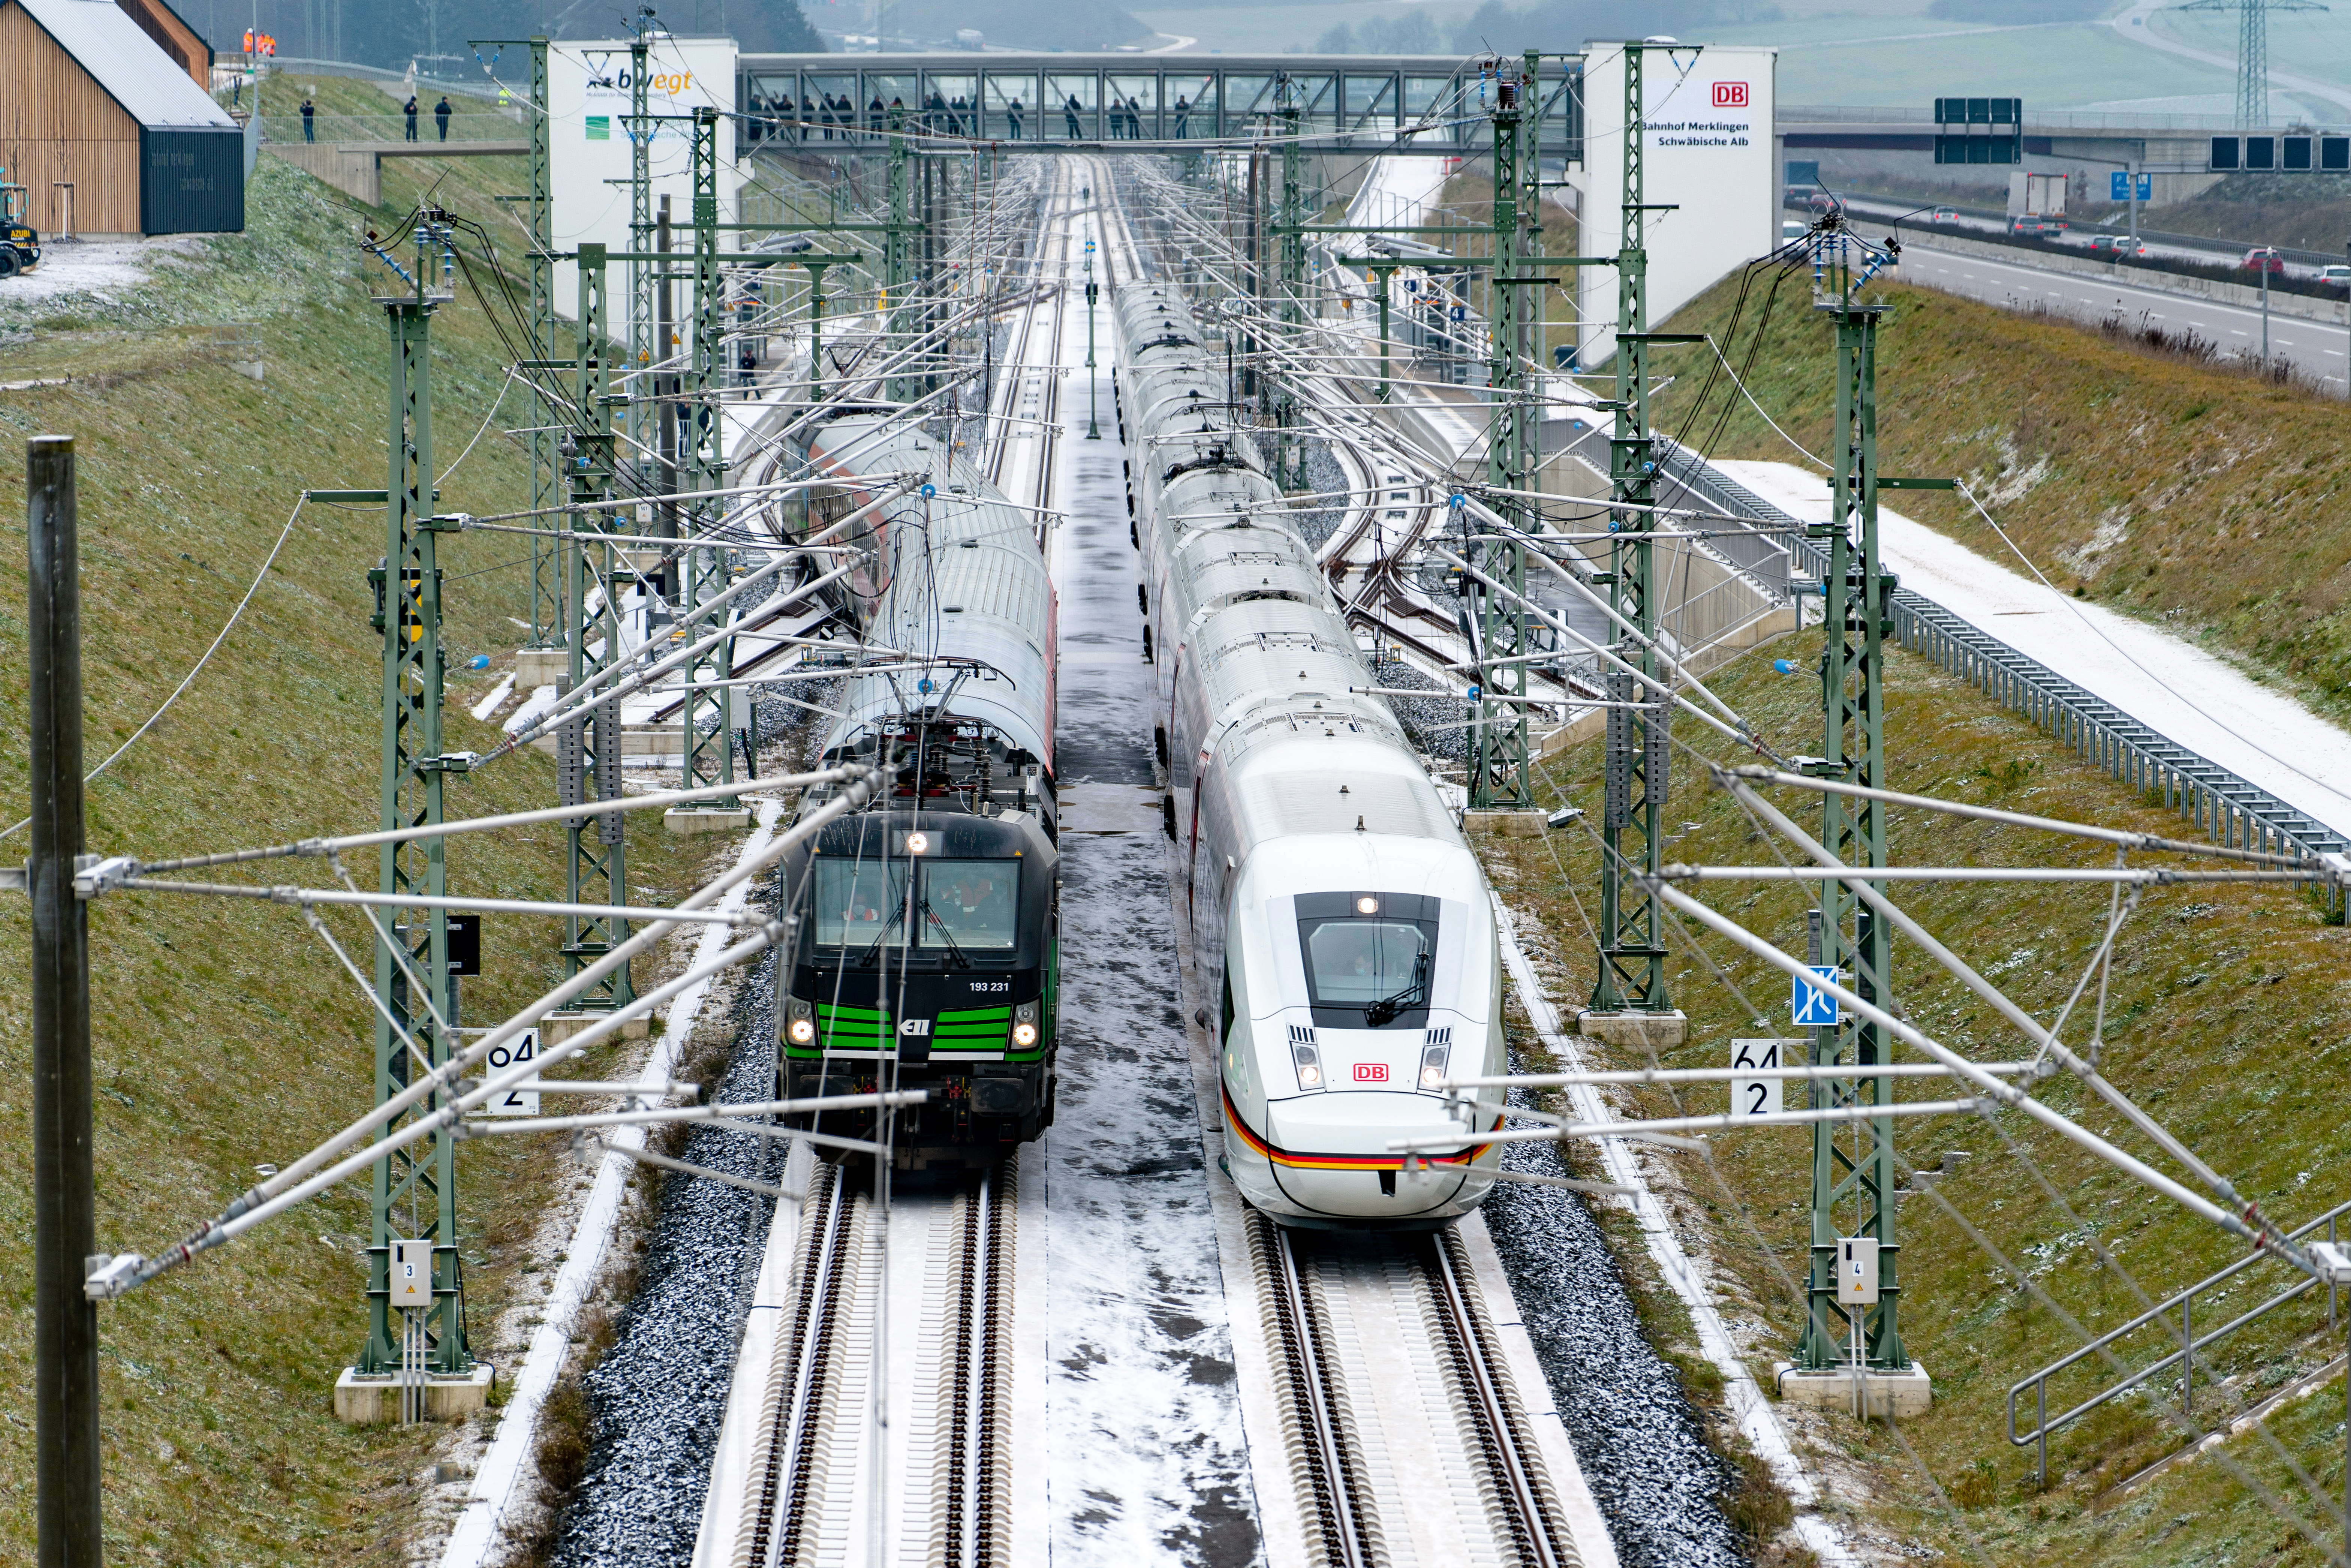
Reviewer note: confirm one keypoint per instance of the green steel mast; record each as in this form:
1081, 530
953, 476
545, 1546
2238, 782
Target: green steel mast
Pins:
1856, 620
709, 758
1498, 767
1632, 950
587, 749
640, 236
545, 484
1291, 235
897, 263
412, 1191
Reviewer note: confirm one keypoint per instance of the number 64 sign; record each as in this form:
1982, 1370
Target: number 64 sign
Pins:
1756, 1096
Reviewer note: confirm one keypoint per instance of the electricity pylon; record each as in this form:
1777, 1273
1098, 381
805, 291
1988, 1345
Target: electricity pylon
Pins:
1498, 765
1857, 621
709, 758
2252, 50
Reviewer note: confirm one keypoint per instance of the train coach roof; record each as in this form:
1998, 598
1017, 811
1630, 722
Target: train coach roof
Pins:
1298, 782
965, 586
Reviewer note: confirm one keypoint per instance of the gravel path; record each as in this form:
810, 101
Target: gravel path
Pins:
1635, 1435
660, 1392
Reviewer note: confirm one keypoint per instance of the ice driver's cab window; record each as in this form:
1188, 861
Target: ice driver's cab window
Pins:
1368, 957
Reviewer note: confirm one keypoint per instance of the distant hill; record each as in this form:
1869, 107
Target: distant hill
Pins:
2014, 12
1024, 24
391, 32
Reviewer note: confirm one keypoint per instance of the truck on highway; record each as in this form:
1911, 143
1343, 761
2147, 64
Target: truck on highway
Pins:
2039, 198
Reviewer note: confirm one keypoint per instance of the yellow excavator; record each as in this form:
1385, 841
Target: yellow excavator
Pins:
20, 246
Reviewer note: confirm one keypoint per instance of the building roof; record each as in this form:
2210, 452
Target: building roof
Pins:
149, 85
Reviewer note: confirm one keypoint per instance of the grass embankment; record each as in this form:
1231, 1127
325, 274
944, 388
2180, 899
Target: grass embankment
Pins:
225, 1035
2225, 1019
1469, 199
2207, 501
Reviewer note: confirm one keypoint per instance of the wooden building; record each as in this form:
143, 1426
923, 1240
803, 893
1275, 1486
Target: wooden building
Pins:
94, 101
173, 36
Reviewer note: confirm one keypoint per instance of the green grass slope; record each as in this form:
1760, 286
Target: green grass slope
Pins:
226, 1034
2209, 502
2226, 1020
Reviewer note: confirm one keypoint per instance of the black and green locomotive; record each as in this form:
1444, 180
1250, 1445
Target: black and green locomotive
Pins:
926, 960
927, 949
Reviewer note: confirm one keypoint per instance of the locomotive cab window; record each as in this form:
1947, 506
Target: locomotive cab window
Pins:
1368, 957
961, 906
970, 904
857, 900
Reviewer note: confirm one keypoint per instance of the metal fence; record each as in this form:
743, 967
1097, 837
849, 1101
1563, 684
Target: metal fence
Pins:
2173, 1319
391, 125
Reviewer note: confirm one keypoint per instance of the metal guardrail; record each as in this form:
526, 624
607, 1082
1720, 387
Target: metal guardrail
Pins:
2179, 1310
2227, 808
391, 126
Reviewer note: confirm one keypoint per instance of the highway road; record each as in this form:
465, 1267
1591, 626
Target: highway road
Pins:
2316, 346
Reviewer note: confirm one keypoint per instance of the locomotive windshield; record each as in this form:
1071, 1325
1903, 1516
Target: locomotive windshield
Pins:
1368, 957
857, 900
960, 906
970, 903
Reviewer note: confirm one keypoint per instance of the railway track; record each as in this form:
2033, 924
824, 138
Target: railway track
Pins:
825, 1482
1402, 1430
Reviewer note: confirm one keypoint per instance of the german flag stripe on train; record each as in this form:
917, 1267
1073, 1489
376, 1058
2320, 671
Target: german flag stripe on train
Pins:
1296, 1160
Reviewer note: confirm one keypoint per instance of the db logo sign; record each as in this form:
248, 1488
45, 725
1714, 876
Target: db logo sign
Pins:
1370, 1073
1730, 95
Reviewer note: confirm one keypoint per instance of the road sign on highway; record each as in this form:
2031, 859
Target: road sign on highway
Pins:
1809, 1006
2118, 181
1755, 1096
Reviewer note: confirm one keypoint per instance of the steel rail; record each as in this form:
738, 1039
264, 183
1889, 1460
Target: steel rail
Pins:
1539, 1539
1334, 1493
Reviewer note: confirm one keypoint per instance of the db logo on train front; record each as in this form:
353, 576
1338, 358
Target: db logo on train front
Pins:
1730, 95
1370, 1073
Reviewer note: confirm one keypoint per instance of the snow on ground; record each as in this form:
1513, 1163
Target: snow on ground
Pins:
489, 705
2165, 681
105, 267
536, 707
1398, 191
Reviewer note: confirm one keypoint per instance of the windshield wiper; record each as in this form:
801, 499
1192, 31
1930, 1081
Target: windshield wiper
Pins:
1379, 1014
871, 953
955, 950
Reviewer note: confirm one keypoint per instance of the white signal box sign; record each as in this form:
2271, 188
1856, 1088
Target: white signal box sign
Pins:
591, 94
411, 1274
1858, 1272
1709, 180
1756, 1096
523, 1049
1809, 1006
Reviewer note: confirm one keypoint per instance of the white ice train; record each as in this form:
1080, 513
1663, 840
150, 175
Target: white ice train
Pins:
1336, 915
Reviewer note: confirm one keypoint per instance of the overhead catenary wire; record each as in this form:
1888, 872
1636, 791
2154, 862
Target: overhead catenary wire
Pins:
189, 679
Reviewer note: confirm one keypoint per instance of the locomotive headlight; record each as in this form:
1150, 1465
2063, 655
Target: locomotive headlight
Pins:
1432, 1066
800, 1025
1367, 905
1024, 1025
917, 842
1310, 1065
